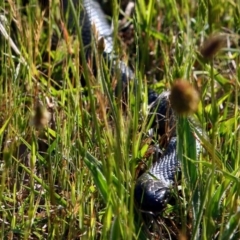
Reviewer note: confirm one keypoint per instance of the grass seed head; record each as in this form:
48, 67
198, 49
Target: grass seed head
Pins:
212, 46
41, 117
101, 45
184, 98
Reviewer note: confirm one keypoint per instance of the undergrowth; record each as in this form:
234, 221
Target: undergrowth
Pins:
71, 151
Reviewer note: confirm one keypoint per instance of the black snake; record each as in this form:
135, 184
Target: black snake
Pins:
152, 189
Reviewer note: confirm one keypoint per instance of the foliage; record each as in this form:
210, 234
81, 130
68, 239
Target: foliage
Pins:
70, 151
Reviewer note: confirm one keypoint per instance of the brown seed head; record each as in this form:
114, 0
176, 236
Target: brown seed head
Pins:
184, 98
41, 117
212, 45
101, 45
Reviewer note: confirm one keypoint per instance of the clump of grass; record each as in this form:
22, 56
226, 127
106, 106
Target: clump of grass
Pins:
74, 176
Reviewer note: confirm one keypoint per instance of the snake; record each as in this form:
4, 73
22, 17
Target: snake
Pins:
152, 190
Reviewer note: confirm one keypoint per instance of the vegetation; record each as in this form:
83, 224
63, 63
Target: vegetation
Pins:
71, 152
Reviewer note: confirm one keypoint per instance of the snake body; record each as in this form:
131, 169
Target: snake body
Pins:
152, 189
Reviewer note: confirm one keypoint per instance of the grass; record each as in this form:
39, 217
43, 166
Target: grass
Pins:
70, 153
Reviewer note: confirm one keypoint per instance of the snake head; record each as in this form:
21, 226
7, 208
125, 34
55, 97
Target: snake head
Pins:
151, 195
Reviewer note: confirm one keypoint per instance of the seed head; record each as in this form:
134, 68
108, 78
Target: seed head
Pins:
212, 45
100, 45
41, 117
184, 98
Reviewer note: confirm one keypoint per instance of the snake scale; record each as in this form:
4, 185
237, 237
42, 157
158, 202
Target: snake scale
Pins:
153, 188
